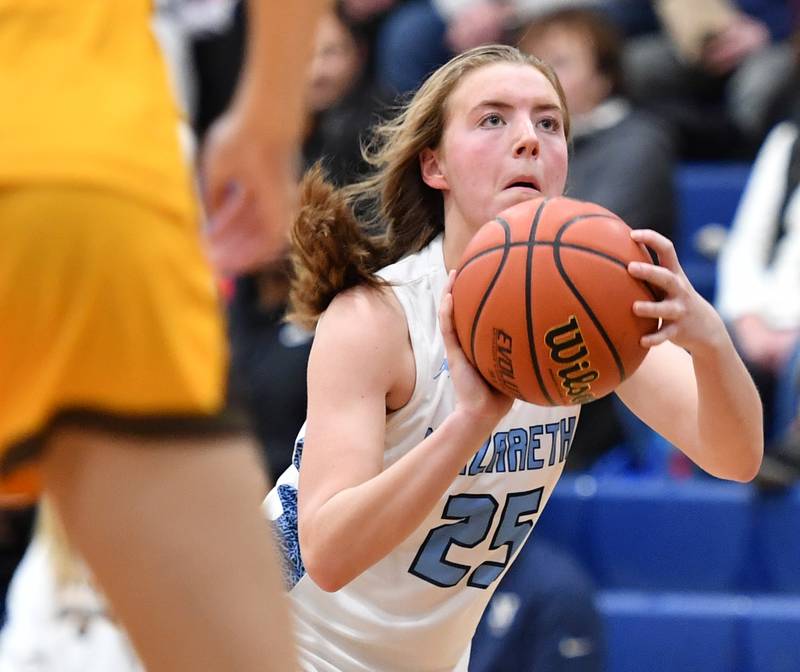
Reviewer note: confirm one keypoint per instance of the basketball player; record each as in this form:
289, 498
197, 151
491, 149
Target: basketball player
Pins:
418, 484
112, 354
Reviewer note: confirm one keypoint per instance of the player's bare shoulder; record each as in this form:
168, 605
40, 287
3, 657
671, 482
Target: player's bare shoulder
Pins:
366, 329
366, 312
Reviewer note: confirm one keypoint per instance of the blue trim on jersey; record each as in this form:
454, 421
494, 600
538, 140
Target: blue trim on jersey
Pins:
298, 452
288, 537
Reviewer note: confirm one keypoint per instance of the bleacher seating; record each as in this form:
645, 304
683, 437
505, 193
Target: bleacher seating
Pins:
656, 632
698, 574
770, 641
653, 532
708, 194
777, 535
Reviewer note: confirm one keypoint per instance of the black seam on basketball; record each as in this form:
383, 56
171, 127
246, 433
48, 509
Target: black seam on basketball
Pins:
543, 243
565, 277
619, 262
485, 297
528, 295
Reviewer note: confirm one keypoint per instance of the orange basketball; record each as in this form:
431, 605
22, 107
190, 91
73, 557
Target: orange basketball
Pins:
543, 302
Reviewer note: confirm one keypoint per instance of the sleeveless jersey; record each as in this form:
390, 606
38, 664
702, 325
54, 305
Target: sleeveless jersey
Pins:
417, 608
87, 101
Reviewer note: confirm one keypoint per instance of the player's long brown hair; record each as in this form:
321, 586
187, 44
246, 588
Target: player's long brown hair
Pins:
333, 248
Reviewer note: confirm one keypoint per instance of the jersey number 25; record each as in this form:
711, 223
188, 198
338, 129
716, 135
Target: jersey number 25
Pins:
474, 515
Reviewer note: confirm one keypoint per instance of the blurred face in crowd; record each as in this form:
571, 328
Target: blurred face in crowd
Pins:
571, 55
503, 143
335, 67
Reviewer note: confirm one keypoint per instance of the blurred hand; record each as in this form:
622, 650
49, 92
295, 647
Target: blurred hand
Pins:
478, 401
478, 24
362, 10
249, 187
762, 345
688, 320
728, 48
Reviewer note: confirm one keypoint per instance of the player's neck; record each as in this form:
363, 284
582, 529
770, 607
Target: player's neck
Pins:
457, 233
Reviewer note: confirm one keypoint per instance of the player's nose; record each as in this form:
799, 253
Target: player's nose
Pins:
527, 142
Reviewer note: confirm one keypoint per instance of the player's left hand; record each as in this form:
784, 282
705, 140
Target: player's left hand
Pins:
687, 319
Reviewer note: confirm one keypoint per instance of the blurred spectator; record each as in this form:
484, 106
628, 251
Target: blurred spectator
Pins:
542, 617
269, 356
786, 104
759, 267
621, 158
420, 35
366, 18
177, 25
362, 11
632, 17
713, 71
217, 57
342, 103
269, 360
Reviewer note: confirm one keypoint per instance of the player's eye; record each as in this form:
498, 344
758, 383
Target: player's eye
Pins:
492, 120
550, 124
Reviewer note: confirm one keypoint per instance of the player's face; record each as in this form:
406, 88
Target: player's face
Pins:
503, 144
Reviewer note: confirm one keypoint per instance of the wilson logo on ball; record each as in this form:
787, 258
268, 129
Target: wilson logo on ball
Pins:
569, 353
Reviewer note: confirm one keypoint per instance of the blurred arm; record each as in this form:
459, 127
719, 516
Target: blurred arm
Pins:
690, 24
279, 46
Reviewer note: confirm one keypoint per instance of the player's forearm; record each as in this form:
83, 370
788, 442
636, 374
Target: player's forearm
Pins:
359, 526
279, 43
729, 414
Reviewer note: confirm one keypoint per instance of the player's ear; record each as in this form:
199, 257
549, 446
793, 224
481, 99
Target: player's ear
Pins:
431, 169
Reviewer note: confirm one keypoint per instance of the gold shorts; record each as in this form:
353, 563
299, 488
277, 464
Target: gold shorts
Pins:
110, 319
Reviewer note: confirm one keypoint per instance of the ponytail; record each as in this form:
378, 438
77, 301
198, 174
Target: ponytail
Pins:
330, 252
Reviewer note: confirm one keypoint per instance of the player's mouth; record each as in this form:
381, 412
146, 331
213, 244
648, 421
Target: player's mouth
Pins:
526, 183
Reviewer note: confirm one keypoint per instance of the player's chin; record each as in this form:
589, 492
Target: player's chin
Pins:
515, 195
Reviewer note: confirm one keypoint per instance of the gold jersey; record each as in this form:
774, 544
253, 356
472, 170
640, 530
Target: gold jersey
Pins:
111, 316
86, 100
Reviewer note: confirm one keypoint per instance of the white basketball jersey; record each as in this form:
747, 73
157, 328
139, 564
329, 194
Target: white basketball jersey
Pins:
417, 609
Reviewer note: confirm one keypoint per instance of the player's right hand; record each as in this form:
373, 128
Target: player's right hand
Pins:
478, 401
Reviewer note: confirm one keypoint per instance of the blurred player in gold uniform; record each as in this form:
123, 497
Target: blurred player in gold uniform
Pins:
112, 354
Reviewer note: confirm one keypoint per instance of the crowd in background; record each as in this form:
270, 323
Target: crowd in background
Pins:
649, 85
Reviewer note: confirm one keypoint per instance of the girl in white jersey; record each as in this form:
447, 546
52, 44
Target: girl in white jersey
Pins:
414, 484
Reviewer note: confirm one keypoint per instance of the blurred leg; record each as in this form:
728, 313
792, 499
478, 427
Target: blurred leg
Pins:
175, 537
